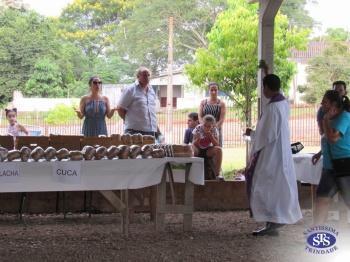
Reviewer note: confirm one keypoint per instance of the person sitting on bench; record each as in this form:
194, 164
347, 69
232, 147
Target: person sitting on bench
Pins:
206, 143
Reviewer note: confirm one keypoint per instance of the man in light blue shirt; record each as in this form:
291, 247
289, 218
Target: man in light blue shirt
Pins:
137, 106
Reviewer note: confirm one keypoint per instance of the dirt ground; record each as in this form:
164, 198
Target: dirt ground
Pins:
216, 236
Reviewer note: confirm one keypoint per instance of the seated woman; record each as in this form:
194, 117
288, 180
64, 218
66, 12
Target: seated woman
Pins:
95, 108
206, 142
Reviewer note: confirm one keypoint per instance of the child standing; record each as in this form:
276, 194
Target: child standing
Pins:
206, 142
14, 128
192, 122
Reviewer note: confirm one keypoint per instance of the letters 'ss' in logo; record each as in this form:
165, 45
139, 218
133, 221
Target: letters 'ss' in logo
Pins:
321, 240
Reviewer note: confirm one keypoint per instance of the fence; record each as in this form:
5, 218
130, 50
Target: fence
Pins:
303, 125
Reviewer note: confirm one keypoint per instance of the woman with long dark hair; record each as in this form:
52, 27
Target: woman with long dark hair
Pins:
215, 107
336, 153
95, 108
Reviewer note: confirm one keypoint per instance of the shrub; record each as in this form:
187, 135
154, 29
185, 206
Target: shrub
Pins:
60, 114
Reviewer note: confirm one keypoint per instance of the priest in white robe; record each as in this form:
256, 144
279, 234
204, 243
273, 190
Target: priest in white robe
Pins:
271, 181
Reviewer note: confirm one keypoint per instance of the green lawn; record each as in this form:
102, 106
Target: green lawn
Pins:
234, 159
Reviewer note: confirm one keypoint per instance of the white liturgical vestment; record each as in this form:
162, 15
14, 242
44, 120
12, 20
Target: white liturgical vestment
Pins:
274, 193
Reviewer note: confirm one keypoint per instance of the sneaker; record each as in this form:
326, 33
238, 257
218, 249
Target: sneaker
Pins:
220, 178
265, 231
239, 177
269, 230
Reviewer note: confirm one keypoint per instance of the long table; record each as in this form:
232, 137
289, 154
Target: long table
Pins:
105, 176
307, 172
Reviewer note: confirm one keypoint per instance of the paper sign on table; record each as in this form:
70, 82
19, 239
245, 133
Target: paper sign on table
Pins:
67, 172
9, 172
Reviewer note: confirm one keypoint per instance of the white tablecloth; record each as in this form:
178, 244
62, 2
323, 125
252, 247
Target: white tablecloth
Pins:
304, 169
101, 175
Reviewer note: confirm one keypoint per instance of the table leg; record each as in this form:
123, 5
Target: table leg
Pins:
186, 209
21, 204
189, 188
64, 205
171, 183
121, 204
161, 202
153, 202
313, 201
125, 212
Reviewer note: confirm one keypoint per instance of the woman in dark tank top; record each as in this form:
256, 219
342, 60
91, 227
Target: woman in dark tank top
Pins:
215, 107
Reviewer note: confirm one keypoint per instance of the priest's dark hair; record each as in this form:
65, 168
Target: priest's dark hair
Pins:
272, 82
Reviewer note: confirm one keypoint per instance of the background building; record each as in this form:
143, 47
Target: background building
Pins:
16, 4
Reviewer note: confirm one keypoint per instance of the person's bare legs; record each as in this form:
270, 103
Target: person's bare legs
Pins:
216, 153
322, 207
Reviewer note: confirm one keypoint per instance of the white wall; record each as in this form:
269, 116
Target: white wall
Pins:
26, 104
298, 79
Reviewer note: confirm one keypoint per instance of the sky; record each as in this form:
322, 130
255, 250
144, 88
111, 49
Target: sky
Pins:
48, 7
330, 13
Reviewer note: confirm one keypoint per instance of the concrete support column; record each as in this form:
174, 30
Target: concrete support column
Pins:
267, 13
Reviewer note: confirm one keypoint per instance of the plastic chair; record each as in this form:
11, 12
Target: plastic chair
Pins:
34, 132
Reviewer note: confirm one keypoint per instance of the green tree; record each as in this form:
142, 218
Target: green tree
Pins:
297, 14
60, 114
111, 68
91, 24
143, 37
46, 80
231, 56
77, 89
322, 71
337, 34
25, 37
72, 62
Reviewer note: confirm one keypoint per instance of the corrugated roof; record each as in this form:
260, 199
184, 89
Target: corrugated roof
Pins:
315, 48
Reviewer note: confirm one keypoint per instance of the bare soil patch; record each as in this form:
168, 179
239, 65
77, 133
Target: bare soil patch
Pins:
216, 236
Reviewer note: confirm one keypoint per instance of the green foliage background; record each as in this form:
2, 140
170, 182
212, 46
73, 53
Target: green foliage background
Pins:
231, 56
60, 115
54, 57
